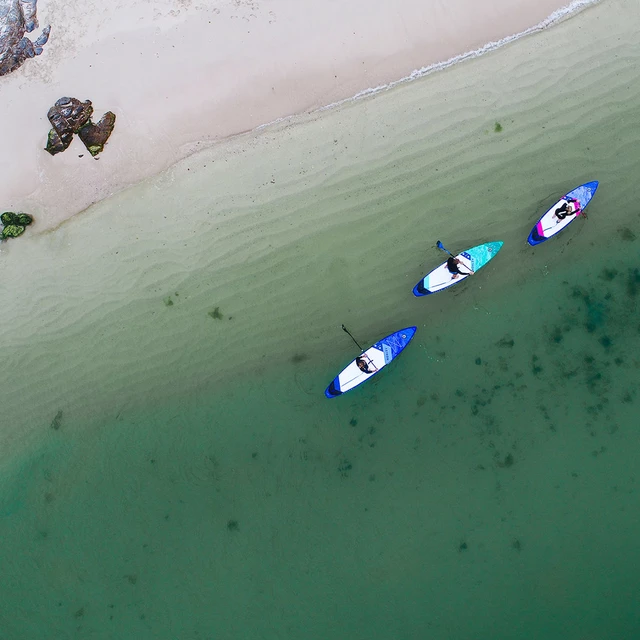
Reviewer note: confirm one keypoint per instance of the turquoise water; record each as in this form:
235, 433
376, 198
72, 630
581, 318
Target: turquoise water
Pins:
482, 486
478, 488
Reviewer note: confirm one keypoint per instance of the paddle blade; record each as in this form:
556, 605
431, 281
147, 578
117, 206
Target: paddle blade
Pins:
443, 248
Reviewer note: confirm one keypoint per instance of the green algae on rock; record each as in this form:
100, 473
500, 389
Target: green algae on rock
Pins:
23, 219
12, 231
14, 224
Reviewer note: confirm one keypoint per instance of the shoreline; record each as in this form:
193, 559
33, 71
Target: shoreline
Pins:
188, 115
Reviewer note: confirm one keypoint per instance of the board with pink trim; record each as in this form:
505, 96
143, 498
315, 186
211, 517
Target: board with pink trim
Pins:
549, 224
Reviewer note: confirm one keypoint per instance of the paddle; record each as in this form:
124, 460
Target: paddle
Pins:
443, 248
359, 347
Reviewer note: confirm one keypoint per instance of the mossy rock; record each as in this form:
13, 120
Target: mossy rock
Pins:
8, 217
23, 219
14, 224
12, 231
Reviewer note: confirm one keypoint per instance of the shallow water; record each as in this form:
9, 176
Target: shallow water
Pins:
177, 471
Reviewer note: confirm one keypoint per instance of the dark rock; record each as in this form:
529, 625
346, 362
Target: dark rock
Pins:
56, 142
66, 116
16, 18
95, 136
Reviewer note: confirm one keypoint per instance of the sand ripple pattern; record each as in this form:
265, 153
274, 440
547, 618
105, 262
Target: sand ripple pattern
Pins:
251, 254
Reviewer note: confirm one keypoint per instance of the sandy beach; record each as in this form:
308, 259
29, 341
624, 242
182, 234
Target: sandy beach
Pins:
180, 75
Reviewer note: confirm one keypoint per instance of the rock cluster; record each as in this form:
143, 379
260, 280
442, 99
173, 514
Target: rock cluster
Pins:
69, 116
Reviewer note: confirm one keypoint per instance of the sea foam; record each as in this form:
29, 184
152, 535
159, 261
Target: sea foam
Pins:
557, 16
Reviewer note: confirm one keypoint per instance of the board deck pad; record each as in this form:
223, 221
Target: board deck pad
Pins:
548, 225
471, 259
380, 354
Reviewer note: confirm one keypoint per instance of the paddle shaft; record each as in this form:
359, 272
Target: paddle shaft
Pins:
357, 345
443, 248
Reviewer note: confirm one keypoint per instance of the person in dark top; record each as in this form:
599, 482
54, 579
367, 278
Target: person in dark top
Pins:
452, 265
567, 208
364, 364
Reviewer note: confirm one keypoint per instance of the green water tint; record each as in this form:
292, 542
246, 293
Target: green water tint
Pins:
294, 230
475, 488
482, 486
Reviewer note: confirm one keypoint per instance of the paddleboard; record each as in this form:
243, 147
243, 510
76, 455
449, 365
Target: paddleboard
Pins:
471, 259
548, 225
376, 357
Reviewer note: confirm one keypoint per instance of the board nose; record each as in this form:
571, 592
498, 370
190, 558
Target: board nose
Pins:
408, 333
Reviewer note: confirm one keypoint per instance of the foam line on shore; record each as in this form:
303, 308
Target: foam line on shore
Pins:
557, 16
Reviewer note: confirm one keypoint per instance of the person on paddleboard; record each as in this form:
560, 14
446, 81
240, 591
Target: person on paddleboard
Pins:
452, 265
365, 365
569, 207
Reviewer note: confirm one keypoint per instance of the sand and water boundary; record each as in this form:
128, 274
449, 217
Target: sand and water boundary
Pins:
101, 326
181, 75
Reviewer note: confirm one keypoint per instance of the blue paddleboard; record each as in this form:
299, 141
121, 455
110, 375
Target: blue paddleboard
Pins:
470, 260
376, 357
549, 224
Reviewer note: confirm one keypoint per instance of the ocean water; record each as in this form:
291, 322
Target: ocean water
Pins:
170, 466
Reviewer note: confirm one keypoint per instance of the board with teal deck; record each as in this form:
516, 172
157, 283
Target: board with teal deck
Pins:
470, 260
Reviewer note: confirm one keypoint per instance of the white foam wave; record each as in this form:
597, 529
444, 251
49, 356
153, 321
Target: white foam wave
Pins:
573, 7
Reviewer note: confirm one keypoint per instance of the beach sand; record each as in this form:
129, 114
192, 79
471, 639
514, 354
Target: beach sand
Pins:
181, 74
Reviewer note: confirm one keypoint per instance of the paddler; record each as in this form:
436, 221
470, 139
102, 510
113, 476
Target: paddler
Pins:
452, 265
